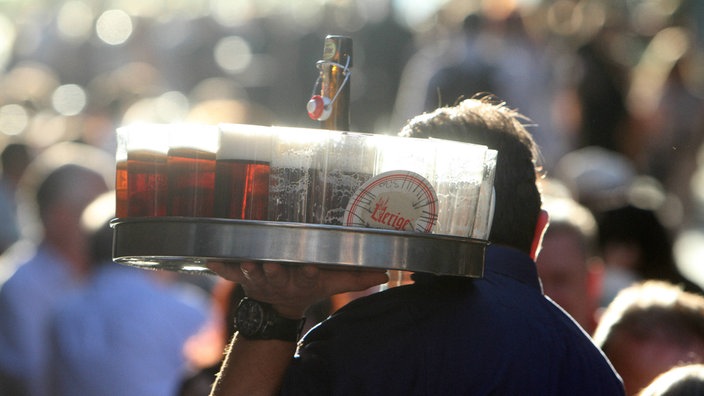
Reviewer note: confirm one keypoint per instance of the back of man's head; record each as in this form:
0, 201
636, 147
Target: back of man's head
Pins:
482, 121
59, 183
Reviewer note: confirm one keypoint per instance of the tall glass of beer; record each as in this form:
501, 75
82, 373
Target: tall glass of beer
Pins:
294, 163
411, 154
242, 172
191, 170
350, 160
485, 205
121, 175
141, 182
459, 169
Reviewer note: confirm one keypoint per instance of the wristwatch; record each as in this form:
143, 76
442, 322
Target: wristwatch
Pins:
255, 320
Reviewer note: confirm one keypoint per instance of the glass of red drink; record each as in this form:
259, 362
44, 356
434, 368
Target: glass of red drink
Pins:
242, 170
191, 170
141, 178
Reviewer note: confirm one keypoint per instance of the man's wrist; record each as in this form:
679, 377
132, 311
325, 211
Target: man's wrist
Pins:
256, 320
295, 313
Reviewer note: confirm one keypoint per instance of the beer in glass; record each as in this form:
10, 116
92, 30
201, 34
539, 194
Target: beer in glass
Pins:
293, 166
350, 161
459, 169
191, 170
242, 172
121, 176
141, 179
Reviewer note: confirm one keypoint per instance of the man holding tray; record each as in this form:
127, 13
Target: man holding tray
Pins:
440, 335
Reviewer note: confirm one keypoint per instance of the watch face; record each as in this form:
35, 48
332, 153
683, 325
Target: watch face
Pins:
249, 317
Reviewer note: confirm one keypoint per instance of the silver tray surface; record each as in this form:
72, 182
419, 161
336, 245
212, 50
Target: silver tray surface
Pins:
187, 244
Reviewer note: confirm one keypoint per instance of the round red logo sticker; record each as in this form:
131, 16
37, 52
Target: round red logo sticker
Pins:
394, 200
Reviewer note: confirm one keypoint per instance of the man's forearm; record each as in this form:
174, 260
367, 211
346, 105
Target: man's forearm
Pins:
257, 367
253, 367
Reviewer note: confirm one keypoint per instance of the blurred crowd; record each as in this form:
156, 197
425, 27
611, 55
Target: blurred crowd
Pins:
613, 91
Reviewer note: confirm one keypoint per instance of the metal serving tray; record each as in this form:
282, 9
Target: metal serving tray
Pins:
187, 244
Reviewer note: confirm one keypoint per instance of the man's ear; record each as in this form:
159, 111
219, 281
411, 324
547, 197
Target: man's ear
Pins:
540, 226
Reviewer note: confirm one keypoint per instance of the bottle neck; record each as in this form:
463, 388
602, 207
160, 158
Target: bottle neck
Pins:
335, 84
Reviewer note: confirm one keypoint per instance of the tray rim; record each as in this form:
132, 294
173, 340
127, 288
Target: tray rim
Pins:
187, 244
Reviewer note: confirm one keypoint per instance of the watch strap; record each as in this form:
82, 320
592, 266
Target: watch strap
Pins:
273, 326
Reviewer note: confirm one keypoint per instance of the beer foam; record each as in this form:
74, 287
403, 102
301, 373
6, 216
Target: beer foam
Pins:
352, 153
298, 147
144, 136
245, 142
292, 159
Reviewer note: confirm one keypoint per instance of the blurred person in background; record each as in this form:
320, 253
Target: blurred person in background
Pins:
635, 244
631, 211
597, 178
649, 328
124, 333
56, 187
686, 380
15, 158
568, 264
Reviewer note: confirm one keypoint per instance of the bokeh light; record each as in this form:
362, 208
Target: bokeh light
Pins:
7, 40
69, 99
13, 119
114, 27
75, 21
233, 54
232, 13
171, 106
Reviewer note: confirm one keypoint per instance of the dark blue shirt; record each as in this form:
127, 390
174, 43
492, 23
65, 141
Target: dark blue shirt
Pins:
454, 336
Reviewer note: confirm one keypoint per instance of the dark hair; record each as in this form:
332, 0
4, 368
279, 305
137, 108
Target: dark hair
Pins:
487, 122
641, 228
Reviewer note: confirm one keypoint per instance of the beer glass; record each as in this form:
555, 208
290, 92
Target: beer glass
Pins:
399, 196
296, 160
349, 161
121, 176
485, 205
191, 169
409, 154
242, 172
459, 174
141, 179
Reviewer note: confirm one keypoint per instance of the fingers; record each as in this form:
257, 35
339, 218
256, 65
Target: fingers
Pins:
276, 275
337, 281
252, 272
273, 282
227, 271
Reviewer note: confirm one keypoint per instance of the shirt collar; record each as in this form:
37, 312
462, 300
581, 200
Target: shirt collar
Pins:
513, 263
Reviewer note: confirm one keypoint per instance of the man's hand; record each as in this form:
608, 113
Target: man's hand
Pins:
292, 288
